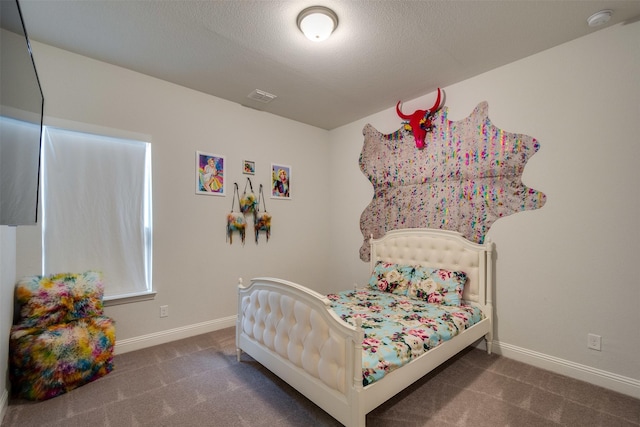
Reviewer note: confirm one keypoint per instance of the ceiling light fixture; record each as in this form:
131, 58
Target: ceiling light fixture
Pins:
317, 22
599, 18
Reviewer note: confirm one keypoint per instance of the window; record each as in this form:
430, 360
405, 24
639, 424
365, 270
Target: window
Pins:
96, 197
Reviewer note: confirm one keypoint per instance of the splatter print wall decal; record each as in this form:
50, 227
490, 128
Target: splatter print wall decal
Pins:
468, 177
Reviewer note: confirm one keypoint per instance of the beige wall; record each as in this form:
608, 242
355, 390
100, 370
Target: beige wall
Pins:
562, 271
195, 271
7, 279
568, 269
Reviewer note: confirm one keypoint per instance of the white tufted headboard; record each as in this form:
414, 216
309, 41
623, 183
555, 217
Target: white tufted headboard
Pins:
439, 249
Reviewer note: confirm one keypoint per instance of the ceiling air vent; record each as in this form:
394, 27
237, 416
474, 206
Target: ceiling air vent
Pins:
262, 96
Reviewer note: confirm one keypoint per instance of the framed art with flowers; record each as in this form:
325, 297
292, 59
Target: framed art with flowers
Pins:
248, 167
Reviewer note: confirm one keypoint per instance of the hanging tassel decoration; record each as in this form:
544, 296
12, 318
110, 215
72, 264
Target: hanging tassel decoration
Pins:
248, 201
235, 220
262, 220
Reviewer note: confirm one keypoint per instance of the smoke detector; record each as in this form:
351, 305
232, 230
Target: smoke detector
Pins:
261, 96
599, 18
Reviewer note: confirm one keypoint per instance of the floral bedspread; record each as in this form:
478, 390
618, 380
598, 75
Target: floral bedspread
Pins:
398, 328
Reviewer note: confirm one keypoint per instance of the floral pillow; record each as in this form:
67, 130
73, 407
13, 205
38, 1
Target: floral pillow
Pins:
438, 286
392, 278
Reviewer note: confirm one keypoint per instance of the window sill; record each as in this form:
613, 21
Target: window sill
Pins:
127, 299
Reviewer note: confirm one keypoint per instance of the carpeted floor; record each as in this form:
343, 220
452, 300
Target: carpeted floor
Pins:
198, 382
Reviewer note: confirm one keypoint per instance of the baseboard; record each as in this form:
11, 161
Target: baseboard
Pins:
137, 343
608, 380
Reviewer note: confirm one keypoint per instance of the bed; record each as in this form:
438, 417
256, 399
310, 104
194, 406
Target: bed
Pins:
322, 345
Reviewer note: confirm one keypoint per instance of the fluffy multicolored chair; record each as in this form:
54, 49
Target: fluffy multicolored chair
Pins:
61, 339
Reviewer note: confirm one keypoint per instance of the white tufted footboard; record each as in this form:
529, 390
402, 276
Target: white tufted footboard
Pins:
292, 330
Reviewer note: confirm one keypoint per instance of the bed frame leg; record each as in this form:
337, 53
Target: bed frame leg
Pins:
238, 354
488, 339
357, 420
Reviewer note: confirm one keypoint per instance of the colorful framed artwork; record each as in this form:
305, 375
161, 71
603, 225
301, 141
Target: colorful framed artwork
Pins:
280, 181
210, 169
248, 167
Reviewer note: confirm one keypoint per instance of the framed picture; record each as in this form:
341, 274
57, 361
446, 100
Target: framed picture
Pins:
280, 181
248, 167
210, 169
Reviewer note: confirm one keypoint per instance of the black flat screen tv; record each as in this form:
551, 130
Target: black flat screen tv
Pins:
21, 115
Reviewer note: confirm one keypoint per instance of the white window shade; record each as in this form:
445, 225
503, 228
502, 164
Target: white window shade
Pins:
96, 209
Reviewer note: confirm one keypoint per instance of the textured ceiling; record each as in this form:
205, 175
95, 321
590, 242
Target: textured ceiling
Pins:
381, 52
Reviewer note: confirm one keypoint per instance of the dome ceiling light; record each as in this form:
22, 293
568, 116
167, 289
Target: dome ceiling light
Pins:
599, 18
317, 22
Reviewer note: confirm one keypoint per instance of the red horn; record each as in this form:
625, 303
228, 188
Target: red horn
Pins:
402, 116
437, 104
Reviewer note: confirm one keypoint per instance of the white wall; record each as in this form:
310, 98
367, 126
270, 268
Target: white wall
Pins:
7, 279
567, 269
195, 271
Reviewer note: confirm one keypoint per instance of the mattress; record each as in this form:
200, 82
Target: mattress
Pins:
398, 328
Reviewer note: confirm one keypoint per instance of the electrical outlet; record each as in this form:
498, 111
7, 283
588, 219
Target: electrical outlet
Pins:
164, 310
594, 342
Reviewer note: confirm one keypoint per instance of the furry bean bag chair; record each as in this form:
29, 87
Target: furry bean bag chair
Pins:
61, 339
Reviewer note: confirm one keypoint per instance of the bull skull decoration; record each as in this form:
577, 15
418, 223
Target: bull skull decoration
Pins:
420, 121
